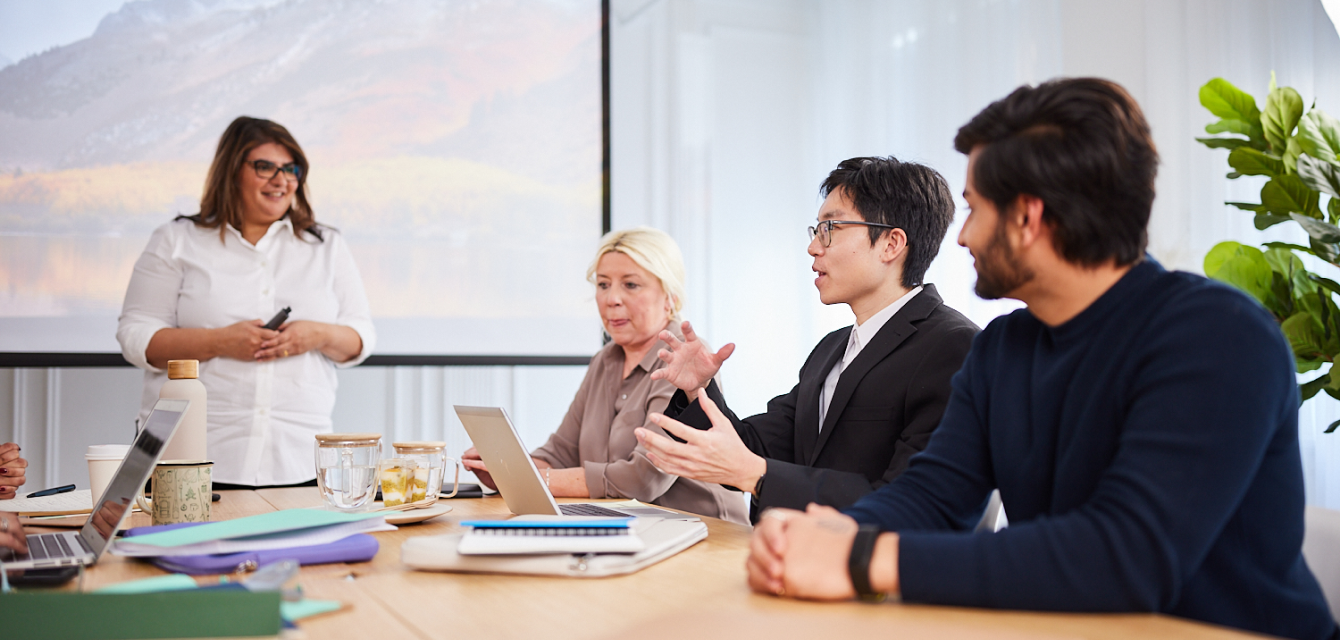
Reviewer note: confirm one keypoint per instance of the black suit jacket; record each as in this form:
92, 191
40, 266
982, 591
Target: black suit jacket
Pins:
886, 404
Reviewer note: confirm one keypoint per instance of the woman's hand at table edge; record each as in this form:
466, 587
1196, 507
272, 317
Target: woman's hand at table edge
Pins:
12, 470
472, 462
11, 533
238, 341
337, 342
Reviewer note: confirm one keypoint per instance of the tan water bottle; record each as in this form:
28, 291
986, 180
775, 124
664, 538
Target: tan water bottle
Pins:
184, 384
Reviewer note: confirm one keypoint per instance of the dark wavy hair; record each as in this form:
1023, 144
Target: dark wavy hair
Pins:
906, 195
222, 202
1083, 147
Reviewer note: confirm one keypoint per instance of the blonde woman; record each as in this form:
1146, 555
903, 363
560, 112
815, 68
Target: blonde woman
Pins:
639, 279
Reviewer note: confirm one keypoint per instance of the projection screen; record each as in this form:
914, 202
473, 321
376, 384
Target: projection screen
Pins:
458, 146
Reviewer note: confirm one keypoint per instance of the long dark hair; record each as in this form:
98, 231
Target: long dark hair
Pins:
222, 202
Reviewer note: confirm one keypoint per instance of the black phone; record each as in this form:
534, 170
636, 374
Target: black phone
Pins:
279, 319
44, 577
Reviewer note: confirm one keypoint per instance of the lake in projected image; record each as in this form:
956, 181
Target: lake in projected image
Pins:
457, 146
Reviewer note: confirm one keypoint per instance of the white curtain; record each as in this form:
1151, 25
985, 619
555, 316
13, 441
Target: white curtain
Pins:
726, 115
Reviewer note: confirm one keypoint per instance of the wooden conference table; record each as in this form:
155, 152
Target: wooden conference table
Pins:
699, 594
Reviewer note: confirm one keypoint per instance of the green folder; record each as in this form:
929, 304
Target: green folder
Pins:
170, 614
263, 524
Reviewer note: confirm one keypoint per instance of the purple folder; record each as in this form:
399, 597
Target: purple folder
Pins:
359, 547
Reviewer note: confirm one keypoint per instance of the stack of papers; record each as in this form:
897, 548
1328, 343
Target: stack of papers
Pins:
538, 534
60, 504
276, 530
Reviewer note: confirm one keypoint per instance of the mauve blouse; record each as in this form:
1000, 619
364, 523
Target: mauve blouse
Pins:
597, 434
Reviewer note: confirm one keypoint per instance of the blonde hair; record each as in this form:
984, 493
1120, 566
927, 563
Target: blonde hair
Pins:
653, 250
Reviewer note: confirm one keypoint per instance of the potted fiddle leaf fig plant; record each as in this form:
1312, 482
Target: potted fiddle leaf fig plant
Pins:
1298, 151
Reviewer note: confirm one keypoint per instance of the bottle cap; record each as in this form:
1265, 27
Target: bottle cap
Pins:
183, 369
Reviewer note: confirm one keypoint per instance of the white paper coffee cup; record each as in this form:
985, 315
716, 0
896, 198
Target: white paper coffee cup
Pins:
103, 460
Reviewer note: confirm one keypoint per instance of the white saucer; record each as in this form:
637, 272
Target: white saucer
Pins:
414, 515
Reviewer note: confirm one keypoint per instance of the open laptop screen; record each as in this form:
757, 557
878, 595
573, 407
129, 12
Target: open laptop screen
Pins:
130, 477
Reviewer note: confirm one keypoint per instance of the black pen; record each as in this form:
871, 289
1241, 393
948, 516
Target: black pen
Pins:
279, 319
51, 492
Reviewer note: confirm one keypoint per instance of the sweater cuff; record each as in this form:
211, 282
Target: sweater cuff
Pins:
942, 568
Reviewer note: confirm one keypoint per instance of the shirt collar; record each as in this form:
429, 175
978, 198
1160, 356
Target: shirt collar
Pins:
282, 224
866, 331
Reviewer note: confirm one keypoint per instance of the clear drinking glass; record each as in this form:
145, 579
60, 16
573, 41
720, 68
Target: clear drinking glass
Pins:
346, 468
429, 461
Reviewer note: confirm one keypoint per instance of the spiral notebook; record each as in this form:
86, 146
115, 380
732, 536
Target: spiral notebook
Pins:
537, 534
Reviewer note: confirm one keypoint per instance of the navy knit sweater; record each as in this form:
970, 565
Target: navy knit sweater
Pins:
1147, 455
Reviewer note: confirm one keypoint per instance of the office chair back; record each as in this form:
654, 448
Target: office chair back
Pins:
1321, 550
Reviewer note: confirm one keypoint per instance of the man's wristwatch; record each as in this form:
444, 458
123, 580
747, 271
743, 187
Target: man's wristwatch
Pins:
858, 564
758, 486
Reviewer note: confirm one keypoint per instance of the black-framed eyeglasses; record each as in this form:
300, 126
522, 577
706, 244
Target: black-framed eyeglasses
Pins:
266, 170
824, 230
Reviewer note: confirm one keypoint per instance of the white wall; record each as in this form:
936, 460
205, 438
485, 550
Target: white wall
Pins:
726, 115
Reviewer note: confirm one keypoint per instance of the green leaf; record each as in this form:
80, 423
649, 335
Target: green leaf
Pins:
1227, 101
1311, 387
1326, 283
1229, 125
1304, 366
1319, 175
1284, 108
1264, 221
1247, 206
1319, 136
1290, 158
1223, 143
1250, 162
1327, 252
1241, 266
1333, 427
1304, 333
1288, 194
1286, 245
1318, 230
1333, 210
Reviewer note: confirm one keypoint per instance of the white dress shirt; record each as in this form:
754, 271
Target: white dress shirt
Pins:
861, 335
262, 416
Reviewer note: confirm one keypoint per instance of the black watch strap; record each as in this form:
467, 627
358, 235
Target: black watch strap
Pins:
858, 564
758, 486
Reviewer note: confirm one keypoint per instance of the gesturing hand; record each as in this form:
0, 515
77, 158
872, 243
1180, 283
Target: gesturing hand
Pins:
689, 364
716, 455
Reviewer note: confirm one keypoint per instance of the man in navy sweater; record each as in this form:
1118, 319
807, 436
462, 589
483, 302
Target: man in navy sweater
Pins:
1141, 425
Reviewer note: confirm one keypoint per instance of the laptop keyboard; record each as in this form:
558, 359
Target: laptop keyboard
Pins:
587, 509
46, 546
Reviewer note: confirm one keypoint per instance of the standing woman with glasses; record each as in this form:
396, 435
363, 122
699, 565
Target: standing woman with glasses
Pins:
206, 285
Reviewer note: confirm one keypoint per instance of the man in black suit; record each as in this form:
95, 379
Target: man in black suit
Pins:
869, 395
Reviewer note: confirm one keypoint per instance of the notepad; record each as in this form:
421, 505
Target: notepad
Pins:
60, 504
541, 534
275, 530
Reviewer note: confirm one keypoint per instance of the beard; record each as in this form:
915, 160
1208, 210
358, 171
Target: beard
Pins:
998, 271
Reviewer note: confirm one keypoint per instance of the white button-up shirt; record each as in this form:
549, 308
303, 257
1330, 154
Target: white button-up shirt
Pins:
860, 335
262, 416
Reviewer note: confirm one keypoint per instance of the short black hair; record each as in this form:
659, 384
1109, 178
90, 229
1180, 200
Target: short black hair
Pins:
1083, 147
906, 195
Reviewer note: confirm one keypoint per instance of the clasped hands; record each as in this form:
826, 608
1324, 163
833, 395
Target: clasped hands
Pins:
12, 470
804, 554
250, 340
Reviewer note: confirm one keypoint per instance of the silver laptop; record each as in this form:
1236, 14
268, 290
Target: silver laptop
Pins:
519, 482
67, 548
